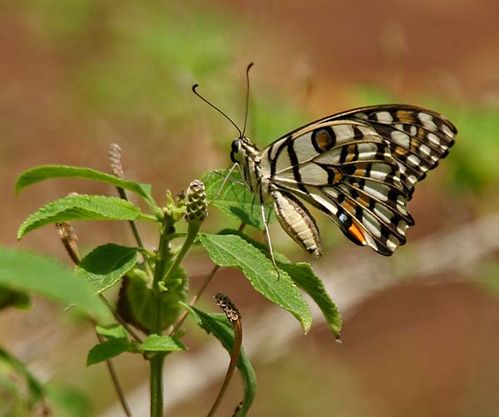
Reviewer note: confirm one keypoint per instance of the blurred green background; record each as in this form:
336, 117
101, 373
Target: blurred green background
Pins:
77, 75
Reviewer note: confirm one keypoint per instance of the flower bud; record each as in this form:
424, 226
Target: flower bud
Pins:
195, 201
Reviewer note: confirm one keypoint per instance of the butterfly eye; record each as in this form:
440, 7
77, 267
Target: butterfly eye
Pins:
235, 145
235, 150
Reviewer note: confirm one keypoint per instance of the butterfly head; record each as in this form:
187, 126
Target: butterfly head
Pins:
241, 147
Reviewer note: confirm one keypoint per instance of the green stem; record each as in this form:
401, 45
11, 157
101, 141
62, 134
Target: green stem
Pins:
156, 361
148, 217
162, 259
189, 239
156, 382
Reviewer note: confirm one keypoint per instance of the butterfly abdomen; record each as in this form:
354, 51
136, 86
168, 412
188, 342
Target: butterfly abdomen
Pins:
297, 222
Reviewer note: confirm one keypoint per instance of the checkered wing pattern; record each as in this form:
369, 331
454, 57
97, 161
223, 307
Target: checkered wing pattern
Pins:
418, 138
360, 167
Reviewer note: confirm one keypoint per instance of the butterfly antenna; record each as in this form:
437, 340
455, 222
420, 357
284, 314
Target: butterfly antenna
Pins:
247, 96
194, 87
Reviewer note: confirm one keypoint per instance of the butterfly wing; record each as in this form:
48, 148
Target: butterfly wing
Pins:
345, 168
418, 138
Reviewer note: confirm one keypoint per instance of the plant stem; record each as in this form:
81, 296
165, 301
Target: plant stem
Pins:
156, 361
162, 259
156, 384
189, 239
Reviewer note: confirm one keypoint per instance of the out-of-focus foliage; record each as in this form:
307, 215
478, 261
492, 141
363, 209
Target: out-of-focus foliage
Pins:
488, 277
137, 57
12, 298
138, 61
25, 271
66, 401
20, 391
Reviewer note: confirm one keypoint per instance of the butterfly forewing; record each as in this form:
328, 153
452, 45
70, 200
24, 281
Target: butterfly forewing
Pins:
418, 138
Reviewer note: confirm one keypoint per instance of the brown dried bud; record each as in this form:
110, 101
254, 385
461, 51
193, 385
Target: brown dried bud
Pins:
115, 160
228, 307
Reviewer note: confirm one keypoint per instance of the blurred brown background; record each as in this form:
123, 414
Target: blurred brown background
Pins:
420, 332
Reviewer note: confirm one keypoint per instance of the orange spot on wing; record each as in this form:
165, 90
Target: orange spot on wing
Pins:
405, 116
324, 140
357, 234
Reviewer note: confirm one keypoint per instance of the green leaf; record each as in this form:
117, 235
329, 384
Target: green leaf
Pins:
106, 265
13, 298
80, 207
36, 389
136, 300
236, 199
25, 271
112, 331
303, 275
219, 326
234, 252
68, 401
157, 343
108, 349
44, 172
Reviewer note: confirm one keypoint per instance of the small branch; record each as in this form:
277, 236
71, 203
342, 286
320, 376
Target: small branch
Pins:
123, 195
116, 382
135, 231
115, 163
232, 313
120, 320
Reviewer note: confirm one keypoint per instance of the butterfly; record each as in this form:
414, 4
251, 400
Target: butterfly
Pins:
358, 167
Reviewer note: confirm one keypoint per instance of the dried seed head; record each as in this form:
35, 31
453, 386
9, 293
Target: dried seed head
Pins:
115, 160
66, 232
195, 201
228, 307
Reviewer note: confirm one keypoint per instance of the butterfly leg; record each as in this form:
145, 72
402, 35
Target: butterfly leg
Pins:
267, 236
234, 181
224, 183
